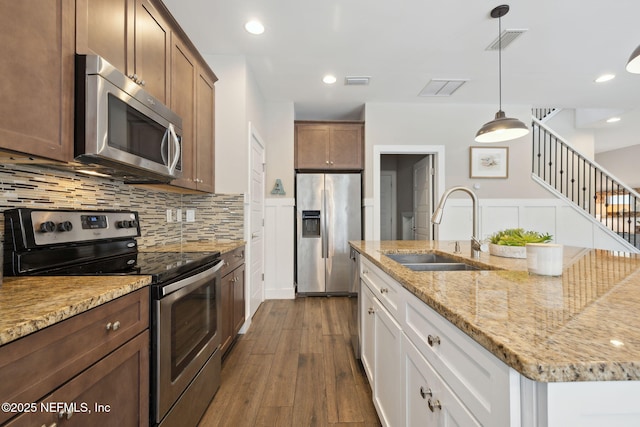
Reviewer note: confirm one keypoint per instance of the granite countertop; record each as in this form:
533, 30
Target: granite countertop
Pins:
581, 326
28, 304
199, 246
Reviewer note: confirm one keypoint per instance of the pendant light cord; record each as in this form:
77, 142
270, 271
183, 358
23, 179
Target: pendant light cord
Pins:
500, 62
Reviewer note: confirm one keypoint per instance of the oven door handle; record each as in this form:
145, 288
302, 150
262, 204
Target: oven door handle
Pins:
166, 290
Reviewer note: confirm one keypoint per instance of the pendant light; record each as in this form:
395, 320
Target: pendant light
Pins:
502, 128
633, 65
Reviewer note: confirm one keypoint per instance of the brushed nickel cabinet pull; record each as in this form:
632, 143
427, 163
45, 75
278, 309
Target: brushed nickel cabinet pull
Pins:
434, 405
113, 326
426, 393
433, 340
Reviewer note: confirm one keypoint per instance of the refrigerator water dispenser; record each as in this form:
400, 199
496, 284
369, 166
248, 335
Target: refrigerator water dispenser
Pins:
310, 224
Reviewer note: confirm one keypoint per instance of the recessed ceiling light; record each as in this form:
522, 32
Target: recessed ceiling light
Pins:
613, 120
254, 27
329, 79
605, 78
616, 343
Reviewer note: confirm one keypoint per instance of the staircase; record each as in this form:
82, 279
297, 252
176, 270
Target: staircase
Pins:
585, 185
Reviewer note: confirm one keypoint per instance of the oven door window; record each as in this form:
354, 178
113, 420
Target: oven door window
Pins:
193, 324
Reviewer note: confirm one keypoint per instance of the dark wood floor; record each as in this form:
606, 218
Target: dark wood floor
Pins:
294, 367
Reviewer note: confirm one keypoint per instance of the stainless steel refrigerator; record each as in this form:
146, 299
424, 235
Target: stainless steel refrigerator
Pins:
328, 215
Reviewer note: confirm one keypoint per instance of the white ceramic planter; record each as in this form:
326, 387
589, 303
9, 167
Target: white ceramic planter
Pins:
544, 259
508, 251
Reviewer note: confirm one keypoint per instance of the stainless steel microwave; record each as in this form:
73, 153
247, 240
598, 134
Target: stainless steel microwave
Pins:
121, 130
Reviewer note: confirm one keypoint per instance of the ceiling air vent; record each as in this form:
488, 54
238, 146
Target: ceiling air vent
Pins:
356, 81
442, 87
507, 36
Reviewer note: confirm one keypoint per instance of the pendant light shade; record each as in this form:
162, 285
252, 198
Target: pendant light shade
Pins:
502, 128
633, 65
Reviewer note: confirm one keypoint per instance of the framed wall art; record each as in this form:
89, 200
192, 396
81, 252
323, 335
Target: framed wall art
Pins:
488, 162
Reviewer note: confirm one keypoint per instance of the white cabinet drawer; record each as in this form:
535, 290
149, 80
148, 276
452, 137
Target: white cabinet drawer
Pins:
387, 290
428, 400
474, 374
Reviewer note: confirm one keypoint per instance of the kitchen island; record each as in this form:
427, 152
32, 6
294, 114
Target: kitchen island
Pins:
568, 339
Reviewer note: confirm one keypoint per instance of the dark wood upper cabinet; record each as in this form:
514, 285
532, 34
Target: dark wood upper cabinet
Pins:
130, 34
37, 77
138, 37
329, 145
193, 99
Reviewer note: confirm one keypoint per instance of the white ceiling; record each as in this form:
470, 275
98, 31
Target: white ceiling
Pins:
403, 44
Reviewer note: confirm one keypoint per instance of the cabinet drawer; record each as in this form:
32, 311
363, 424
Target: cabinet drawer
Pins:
38, 363
232, 260
428, 399
382, 286
476, 376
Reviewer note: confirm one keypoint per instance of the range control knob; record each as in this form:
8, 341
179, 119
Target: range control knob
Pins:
65, 226
48, 227
127, 224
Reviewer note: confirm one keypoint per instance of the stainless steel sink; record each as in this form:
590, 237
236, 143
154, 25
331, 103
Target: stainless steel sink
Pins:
440, 266
431, 262
421, 258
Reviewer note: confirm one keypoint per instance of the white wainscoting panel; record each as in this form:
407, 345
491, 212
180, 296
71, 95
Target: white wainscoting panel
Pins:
553, 216
280, 240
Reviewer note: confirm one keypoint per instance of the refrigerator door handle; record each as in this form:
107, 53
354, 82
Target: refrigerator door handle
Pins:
324, 229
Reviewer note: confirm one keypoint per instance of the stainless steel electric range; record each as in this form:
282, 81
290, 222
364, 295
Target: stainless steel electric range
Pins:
184, 295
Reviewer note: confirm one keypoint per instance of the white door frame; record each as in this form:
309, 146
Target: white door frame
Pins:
379, 150
394, 201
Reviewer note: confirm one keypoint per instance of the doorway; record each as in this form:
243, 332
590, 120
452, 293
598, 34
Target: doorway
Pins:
406, 181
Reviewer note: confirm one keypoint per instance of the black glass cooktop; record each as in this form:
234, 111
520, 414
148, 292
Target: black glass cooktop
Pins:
161, 266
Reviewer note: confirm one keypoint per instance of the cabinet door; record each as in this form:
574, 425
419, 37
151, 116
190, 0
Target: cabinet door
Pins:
367, 325
387, 372
37, 69
238, 300
113, 392
226, 326
345, 149
205, 132
105, 28
183, 103
312, 146
427, 399
152, 51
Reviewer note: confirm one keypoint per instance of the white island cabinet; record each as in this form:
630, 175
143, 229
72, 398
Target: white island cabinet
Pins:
381, 343
421, 368
424, 371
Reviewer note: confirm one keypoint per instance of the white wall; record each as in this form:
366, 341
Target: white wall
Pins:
280, 133
623, 164
231, 123
279, 210
453, 126
564, 124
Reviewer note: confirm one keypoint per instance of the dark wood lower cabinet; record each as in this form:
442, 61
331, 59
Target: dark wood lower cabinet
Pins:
83, 371
113, 392
233, 299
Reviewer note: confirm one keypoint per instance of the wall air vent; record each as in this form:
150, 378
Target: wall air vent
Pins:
356, 81
507, 36
442, 87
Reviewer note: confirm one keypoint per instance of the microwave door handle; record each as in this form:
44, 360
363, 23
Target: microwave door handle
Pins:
176, 146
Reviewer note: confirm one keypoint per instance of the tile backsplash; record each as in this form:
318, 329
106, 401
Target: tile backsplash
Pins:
217, 216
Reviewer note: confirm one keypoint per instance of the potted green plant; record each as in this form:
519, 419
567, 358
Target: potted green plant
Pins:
510, 243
